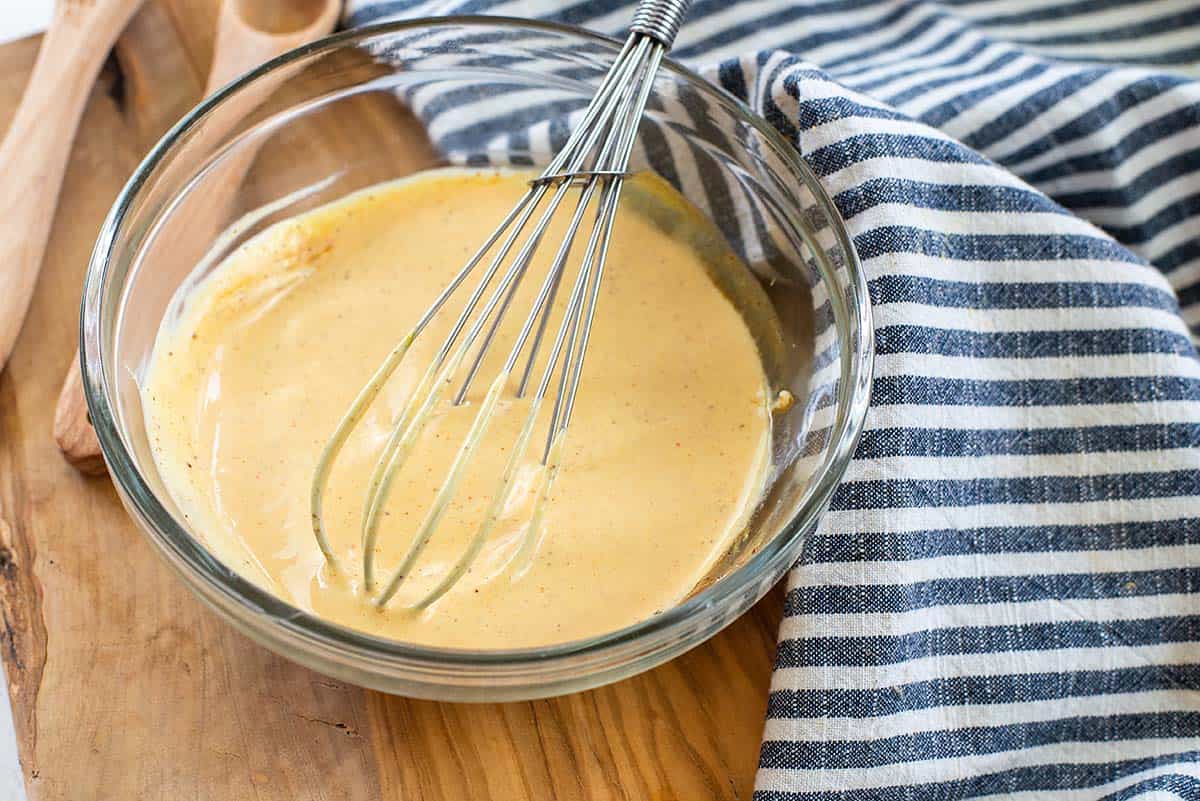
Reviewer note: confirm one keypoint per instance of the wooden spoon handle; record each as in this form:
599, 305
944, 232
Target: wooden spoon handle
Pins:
238, 47
37, 146
73, 428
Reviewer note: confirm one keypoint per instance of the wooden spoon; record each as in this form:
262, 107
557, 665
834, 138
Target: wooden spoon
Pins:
249, 32
34, 154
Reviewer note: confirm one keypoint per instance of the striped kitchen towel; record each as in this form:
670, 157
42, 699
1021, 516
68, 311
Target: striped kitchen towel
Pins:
1004, 598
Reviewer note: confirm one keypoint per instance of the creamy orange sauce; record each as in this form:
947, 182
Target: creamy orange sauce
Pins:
664, 461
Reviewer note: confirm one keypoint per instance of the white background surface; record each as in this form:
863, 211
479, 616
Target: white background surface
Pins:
22, 17
12, 788
18, 18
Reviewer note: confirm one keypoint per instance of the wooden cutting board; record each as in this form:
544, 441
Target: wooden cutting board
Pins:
124, 688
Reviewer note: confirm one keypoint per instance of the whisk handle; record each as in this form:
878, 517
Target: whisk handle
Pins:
660, 19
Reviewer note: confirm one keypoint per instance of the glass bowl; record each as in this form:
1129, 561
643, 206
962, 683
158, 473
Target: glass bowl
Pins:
380, 102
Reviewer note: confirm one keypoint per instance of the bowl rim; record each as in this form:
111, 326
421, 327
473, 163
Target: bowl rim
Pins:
217, 582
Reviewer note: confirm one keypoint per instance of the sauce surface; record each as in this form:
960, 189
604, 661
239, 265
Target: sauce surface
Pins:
663, 463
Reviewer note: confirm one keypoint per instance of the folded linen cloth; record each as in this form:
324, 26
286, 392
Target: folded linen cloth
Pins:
1004, 597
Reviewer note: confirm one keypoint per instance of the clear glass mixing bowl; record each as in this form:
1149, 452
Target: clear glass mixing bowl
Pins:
378, 103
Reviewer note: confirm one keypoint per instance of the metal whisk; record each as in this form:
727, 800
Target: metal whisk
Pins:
595, 159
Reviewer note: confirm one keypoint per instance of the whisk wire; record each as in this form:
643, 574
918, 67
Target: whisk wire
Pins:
600, 104
617, 148
485, 413
608, 130
406, 428
409, 428
614, 190
410, 425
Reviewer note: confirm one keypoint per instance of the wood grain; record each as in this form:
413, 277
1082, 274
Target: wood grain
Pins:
125, 687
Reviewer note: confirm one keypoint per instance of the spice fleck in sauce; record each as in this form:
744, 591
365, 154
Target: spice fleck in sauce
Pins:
663, 463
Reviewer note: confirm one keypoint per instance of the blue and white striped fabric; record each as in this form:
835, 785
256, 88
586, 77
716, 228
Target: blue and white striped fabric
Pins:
1004, 598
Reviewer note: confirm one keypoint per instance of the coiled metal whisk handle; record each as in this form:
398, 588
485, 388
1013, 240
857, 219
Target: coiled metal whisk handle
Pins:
660, 19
